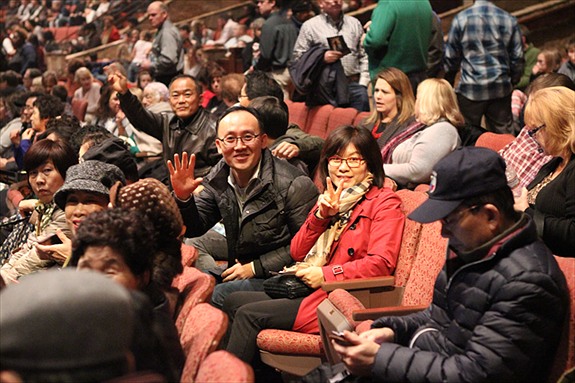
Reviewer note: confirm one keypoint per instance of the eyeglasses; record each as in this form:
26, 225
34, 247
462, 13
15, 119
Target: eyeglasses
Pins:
533, 132
352, 162
454, 217
246, 139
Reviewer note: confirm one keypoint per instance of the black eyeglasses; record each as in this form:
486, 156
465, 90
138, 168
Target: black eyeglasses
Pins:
352, 162
454, 217
246, 139
533, 132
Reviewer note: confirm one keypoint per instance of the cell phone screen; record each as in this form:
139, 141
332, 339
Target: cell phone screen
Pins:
51, 240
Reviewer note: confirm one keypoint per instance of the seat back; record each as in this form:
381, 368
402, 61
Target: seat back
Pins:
297, 113
317, 120
195, 287
494, 141
410, 200
565, 357
223, 367
202, 332
340, 117
79, 108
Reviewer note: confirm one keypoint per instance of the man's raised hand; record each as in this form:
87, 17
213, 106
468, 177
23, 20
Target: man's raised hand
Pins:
182, 175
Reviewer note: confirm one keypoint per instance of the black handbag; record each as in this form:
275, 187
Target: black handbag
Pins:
286, 286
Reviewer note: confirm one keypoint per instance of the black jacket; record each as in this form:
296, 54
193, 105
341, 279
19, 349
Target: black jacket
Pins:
272, 214
321, 83
496, 319
194, 135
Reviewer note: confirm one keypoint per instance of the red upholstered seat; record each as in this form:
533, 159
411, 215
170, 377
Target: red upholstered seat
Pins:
340, 117
189, 255
202, 332
222, 367
317, 120
297, 113
79, 108
195, 287
358, 119
494, 141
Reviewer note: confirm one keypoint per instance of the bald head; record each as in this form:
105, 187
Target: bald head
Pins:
157, 13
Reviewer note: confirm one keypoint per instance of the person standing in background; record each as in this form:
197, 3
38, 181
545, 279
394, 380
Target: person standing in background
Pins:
166, 60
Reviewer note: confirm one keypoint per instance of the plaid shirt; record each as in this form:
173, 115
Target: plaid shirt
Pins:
485, 42
525, 156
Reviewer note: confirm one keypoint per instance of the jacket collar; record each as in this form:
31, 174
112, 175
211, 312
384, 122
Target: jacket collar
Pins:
219, 181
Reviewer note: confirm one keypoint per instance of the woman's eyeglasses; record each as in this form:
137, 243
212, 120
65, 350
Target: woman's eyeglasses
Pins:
352, 162
533, 132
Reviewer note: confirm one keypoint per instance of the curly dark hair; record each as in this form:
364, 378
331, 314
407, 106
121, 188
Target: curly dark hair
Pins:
127, 232
49, 106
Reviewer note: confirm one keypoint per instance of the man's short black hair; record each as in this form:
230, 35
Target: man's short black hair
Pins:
273, 113
259, 84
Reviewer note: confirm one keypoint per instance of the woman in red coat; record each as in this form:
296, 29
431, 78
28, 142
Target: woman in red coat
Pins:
354, 231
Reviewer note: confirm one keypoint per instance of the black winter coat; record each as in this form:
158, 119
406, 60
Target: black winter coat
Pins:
497, 319
272, 214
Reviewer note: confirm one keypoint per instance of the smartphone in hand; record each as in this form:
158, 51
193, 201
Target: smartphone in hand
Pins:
339, 338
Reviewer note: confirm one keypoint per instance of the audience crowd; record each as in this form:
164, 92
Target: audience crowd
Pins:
122, 165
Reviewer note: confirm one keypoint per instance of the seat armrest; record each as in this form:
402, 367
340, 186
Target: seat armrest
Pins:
355, 284
376, 313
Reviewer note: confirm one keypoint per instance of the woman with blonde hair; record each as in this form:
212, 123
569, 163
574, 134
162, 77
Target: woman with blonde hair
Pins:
394, 105
410, 156
87, 90
550, 198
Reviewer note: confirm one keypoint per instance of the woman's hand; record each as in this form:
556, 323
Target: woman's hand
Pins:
286, 150
28, 134
182, 176
310, 275
26, 206
59, 252
328, 202
521, 203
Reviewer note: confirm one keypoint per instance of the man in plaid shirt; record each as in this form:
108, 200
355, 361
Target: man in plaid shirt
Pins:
485, 43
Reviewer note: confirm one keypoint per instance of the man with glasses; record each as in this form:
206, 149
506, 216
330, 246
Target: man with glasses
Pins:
261, 199
499, 303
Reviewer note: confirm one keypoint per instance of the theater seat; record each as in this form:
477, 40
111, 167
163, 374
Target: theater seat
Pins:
222, 367
202, 332
195, 287
79, 108
494, 141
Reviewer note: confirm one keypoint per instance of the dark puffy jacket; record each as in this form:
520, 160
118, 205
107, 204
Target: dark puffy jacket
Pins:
195, 135
275, 209
494, 320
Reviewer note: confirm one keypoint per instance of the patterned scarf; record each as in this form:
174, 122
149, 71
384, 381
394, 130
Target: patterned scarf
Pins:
318, 255
390, 146
45, 212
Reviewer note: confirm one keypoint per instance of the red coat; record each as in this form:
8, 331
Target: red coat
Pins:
368, 247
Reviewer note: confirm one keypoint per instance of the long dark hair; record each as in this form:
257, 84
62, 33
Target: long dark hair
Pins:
363, 140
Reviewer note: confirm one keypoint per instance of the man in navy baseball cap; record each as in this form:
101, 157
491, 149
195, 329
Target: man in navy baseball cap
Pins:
499, 285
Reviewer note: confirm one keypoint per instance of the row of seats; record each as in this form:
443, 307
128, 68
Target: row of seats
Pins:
201, 327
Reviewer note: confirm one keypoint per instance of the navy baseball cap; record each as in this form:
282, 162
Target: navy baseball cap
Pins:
465, 173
